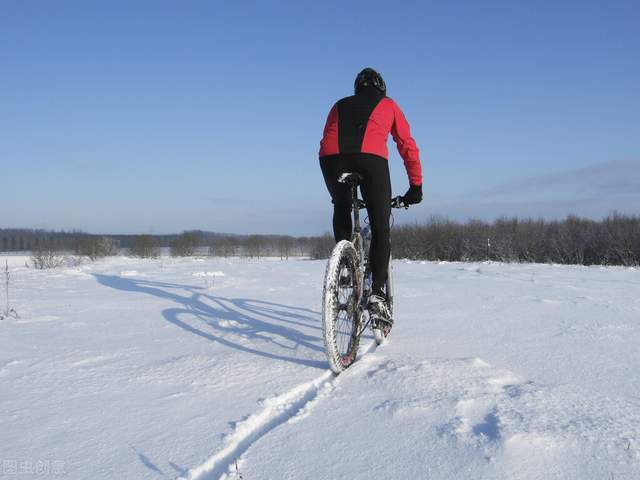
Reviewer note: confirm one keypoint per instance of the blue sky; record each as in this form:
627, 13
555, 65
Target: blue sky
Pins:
159, 116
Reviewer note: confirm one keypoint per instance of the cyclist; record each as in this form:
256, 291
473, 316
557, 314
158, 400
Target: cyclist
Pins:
355, 140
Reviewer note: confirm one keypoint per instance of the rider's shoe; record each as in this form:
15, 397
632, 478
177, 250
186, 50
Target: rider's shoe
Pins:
378, 309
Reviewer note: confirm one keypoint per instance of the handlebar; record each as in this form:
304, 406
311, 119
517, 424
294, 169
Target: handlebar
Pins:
396, 202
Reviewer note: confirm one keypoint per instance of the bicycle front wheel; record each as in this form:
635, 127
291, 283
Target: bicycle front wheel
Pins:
341, 313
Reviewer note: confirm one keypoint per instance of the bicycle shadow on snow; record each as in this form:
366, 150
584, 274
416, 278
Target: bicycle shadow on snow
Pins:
272, 323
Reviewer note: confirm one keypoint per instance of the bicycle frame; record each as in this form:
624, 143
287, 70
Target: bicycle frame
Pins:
353, 180
346, 290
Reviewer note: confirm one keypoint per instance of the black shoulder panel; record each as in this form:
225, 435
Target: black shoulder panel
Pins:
353, 116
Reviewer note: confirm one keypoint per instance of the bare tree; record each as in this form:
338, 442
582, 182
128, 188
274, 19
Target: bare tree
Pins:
8, 311
223, 246
254, 246
145, 246
186, 244
47, 255
95, 247
321, 247
285, 245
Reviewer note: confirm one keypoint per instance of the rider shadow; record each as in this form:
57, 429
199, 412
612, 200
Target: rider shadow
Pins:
241, 317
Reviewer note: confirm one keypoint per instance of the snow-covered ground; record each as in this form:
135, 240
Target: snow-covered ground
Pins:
170, 368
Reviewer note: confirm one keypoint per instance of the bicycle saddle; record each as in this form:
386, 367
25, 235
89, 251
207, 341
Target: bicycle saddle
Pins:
350, 178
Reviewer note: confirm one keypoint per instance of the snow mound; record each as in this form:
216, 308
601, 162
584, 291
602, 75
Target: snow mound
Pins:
209, 274
129, 273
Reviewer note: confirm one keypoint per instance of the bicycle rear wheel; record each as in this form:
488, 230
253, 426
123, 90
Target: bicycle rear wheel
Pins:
341, 313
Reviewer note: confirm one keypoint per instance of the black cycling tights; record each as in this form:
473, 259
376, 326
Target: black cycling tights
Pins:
376, 192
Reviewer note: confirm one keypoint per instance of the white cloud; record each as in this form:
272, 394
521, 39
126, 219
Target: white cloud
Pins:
592, 191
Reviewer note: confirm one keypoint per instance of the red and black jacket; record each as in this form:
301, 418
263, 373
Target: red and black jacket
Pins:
362, 123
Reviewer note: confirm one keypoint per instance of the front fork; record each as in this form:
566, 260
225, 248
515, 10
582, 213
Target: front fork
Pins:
361, 240
363, 319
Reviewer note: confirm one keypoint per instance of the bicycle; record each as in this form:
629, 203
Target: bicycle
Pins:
347, 286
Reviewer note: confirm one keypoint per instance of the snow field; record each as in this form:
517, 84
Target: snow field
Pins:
148, 369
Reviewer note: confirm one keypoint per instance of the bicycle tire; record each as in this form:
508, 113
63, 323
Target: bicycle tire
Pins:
341, 313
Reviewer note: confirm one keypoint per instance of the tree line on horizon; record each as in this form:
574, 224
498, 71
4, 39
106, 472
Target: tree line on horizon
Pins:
188, 243
614, 240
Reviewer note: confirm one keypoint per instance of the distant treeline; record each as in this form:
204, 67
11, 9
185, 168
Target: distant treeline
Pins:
614, 240
188, 243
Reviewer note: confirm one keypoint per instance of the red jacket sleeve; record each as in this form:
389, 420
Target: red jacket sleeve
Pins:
329, 143
407, 147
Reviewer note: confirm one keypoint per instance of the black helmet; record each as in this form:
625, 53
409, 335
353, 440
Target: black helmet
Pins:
369, 76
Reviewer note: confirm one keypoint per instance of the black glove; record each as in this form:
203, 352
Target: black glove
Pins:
413, 195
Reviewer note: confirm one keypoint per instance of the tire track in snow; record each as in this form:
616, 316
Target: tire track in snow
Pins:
277, 411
